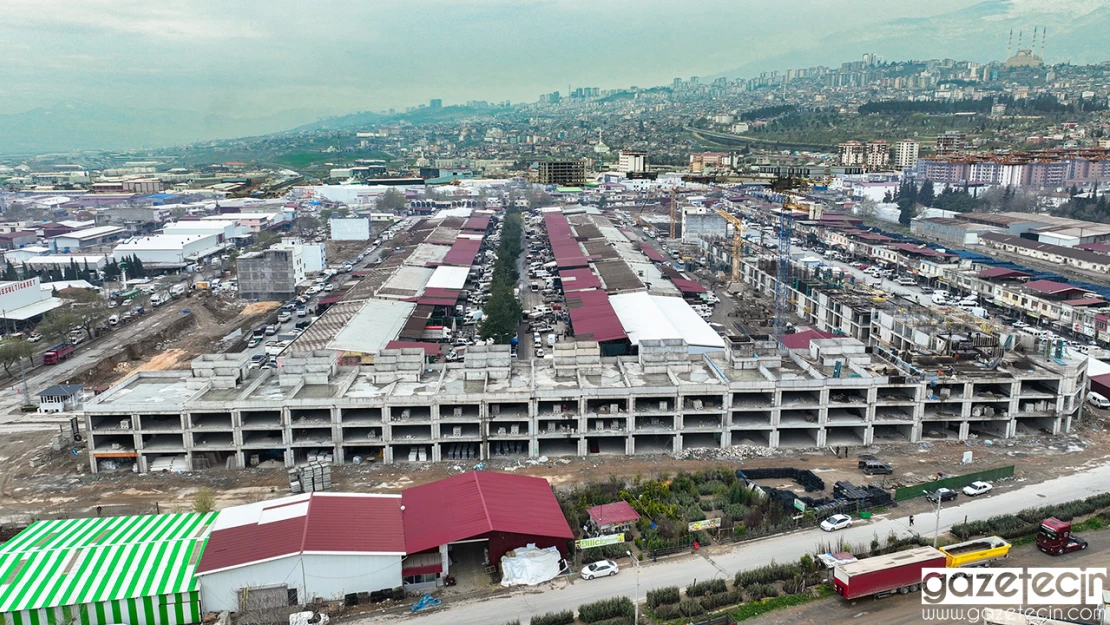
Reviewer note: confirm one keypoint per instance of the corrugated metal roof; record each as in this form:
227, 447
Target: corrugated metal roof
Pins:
78, 561
469, 505
611, 513
1051, 288
579, 280
312, 523
592, 317
377, 323
462, 253
1003, 272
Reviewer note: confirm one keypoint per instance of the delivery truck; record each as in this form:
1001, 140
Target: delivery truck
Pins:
881, 576
978, 552
58, 353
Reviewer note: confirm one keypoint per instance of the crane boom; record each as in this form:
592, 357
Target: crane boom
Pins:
737, 242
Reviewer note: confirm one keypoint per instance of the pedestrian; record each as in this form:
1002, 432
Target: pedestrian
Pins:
911, 520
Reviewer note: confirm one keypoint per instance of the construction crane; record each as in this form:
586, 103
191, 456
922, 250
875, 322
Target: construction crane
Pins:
737, 242
782, 288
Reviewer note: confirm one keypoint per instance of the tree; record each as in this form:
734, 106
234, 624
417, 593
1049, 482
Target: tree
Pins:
907, 210
867, 208
306, 225
58, 323
391, 200
204, 501
89, 306
14, 350
926, 195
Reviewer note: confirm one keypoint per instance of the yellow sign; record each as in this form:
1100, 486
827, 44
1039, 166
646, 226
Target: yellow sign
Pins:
704, 525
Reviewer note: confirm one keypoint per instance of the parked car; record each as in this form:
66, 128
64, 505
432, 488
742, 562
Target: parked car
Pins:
836, 522
1098, 400
942, 494
602, 568
874, 467
977, 488
256, 361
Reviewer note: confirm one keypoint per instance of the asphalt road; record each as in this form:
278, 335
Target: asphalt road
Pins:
566, 593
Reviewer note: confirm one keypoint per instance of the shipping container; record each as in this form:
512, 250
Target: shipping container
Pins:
884, 575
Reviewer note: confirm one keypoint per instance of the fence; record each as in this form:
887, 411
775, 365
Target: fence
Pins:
955, 483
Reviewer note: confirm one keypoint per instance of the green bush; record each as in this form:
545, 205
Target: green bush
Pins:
606, 552
689, 607
606, 609
710, 488
707, 504
714, 602
1028, 521
756, 592
752, 610
566, 617
619, 620
767, 574
660, 596
667, 612
513, 623
694, 513
711, 587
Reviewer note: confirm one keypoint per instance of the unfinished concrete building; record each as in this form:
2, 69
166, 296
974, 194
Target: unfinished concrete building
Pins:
837, 392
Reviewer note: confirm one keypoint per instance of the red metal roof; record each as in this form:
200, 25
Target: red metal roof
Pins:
592, 317
801, 340
688, 286
314, 523
913, 248
462, 253
613, 513
568, 253
472, 504
652, 253
1002, 272
1052, 288
1085, 301
431, 349
479, 222
579, 280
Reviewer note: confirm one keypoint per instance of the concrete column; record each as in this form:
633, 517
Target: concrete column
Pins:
583, 450
726, 436
868, 435
822, 437
387, 454
773, 439
676, 446
965, 429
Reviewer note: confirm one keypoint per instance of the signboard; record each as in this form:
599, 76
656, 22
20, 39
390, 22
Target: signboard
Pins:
704, 525
800, 505
598, 541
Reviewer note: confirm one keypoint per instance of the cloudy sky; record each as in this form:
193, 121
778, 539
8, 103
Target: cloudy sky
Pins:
252, 59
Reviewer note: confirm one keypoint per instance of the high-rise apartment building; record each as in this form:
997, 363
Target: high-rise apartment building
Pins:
851, 153
905, 154
951, 141
435, 103
877, 155
563, 173
632, 161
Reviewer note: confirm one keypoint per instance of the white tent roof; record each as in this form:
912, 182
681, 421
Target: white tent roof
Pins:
378, 322
647, 317
448, 278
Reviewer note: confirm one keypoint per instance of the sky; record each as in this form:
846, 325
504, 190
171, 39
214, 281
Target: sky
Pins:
254, 59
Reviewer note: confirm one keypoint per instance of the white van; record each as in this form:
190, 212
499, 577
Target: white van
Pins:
1035, 332
1097, 400
940, 297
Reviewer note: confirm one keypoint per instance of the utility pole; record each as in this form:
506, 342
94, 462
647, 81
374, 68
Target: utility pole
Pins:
636, 599
936, 532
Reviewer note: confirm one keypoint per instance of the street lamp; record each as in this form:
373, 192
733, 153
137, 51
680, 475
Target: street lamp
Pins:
936, 533
636, 599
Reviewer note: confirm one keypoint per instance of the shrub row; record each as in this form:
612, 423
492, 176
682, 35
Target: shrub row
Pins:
767, 574
566, 617
761, 591
720, 600
711, 587
661, 596
606, 609
620, 620
1027, 521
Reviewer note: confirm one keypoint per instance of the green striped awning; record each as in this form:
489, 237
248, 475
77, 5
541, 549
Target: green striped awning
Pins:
78, 561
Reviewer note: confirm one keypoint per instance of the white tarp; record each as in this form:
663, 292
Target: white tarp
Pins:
530, 566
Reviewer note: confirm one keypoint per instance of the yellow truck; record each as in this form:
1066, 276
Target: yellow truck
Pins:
978, 552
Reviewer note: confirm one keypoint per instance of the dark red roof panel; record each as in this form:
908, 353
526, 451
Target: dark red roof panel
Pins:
1052, 288
579, 280
592, 317
653, 253
688, 286
430, 349
472, 504
1002, 272
801, 340
319, 523
462, 252
612, 513
479, 222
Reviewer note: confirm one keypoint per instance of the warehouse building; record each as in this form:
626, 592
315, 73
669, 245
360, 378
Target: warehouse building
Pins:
86, 238
298, 549
136, 570
468, 521
170, 251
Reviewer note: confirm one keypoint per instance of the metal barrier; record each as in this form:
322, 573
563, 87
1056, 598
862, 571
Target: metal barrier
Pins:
955, 482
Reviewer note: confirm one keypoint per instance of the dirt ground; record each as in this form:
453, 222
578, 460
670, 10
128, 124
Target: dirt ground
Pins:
339, 251
64, 487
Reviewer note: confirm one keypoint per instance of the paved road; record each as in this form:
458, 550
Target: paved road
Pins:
726, 561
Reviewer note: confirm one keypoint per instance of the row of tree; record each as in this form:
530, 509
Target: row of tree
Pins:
503, 312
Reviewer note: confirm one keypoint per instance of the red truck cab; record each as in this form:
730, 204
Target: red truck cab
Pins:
1055, 537
57, 354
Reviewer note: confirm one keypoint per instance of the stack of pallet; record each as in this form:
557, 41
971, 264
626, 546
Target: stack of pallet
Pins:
310, 477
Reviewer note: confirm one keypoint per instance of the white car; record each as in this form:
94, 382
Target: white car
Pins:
977, 488
836, 522
601, 568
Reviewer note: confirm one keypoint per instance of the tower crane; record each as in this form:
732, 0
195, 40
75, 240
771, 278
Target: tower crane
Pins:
737, 242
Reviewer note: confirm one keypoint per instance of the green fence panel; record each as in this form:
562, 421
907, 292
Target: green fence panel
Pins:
955, 483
